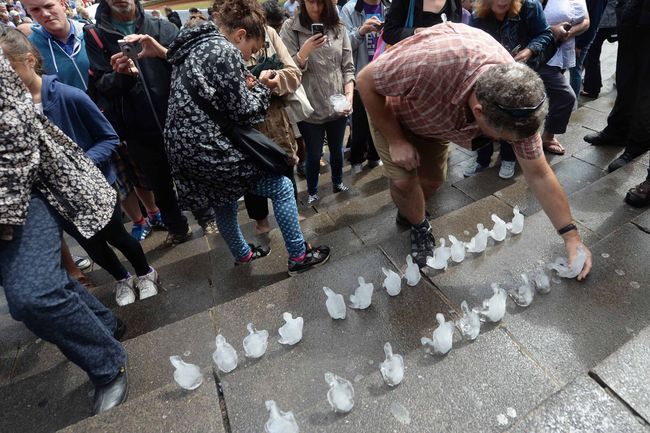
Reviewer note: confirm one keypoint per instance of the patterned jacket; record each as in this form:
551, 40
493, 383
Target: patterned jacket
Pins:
37, 156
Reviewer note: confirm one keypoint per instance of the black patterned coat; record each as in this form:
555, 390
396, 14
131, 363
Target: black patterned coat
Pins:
207, 169
36, 155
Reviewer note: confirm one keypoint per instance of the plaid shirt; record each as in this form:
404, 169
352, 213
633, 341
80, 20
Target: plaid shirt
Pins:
429, 77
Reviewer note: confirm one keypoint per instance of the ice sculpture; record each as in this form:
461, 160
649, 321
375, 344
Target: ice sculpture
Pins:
479, 242
412, 272
335, 304
256, 342
470, 324
516, 226
362, 297
440, 257
457, 249
187, 376
291, 331
442, 339
499, 231
225, 356
562, 268
392, 369
280, 422
392, 282
341, 393
523, 294
494, 308
541, 279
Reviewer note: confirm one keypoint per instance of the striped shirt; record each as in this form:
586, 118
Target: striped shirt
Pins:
429, 77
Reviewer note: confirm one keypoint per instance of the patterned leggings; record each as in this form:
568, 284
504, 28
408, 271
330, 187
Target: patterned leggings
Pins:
280, 191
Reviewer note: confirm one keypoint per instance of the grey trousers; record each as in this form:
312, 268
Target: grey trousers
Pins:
561, 99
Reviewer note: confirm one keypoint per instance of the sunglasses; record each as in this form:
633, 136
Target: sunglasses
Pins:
521, 111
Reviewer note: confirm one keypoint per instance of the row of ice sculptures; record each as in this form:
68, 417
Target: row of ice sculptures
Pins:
341, 392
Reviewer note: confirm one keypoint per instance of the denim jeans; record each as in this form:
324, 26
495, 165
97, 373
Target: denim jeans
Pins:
52, 305
314, 136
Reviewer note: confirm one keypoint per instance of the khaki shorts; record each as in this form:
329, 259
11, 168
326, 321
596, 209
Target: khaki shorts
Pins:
433, 156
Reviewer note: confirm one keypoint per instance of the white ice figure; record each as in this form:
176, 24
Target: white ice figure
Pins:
470, 324
494, 308
563, 270
392, 282
335, 304
256, 342
479, 242
442, 339
457, 249
362, 297
392, 369
516, 226
523, 294
412, 272
291, 331
440, 257
187, 376
541, 279
279, 422
341, 393
225, 356
499, 231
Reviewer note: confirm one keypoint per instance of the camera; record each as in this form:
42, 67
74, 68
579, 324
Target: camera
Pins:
317, 28
129, 49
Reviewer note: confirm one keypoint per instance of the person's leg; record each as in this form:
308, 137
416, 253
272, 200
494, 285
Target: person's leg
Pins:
229, 228
618, 121
148, 199
257, 208
359, 139
151, 158
115, 234
575, 73
507, 153
68, 262
314, 135
206, 219
280, 191
335, 134
132, 208
592, 82
561, 100
47, 300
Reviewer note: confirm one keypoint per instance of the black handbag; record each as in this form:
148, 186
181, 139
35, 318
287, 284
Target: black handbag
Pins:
264, 152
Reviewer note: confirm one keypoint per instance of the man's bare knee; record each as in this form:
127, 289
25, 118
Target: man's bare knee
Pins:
430, 186
404, 185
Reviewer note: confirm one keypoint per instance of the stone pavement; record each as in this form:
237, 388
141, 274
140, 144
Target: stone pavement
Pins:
575, 360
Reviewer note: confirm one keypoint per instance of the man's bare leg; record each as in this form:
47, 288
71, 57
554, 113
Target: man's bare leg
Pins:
409, 198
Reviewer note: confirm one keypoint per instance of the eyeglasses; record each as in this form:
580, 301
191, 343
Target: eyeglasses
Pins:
521, 111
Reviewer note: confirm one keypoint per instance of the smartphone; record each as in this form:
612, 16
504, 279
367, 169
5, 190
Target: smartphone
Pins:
318, 28
379, 26
515, 50
130, 50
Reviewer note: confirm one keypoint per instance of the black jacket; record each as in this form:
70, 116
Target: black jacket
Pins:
394, 30
175, 19
633, 13
121, 97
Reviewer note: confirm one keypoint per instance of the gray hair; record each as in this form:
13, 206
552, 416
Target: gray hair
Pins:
503, 90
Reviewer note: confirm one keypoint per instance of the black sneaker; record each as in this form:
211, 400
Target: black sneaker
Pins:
173, 239
341, 187
624, 159
401, 220
210, 228
120, 329
422, 243
313, 257
258, 251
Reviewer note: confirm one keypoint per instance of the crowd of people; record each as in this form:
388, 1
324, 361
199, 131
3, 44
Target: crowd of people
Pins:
130, 112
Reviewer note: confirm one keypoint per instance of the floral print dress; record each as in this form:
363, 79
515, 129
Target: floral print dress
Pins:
208, 169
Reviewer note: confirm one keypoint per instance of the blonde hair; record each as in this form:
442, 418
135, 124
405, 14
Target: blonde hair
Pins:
16, 47
483, 8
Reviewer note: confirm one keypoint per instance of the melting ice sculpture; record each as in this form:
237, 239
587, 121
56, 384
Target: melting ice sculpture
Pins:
442, 339
291, 331
256, 342
392, 282
225, 356
280, 422
440, 257
562, 268
470, 324
341, 393
499, 231
494, 308
516, 226
362, 297
457, 249
187, 376
335, 304
523, 294
412, 272
541, 279
392, 369
479, 242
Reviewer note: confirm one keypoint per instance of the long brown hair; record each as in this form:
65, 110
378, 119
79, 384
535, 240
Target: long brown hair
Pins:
242, 14
16, 46
483, 8
329, 16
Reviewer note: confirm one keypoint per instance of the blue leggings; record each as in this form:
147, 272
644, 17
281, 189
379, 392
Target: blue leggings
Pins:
280, 190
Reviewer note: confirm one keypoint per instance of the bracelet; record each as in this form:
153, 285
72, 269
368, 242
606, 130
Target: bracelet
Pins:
567, 228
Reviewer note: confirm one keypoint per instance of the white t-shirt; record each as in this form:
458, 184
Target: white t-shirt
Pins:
571, 11
291, 7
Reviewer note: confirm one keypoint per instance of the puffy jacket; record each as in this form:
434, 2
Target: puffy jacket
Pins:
121, 97
528, 29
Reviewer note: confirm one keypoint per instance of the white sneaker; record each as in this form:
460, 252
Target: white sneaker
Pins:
473, 168
507, 169
312, 198
148, 284
124, 293
356, 168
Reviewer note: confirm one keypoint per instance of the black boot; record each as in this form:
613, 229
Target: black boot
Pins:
112, 394
622, 160
602, 139
639, 196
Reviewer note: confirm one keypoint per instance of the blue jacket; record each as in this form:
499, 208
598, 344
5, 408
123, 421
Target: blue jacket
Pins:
71, 70
528, 29
79, 118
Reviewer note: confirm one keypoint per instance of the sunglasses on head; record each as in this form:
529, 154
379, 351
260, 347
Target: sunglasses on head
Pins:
521, 111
